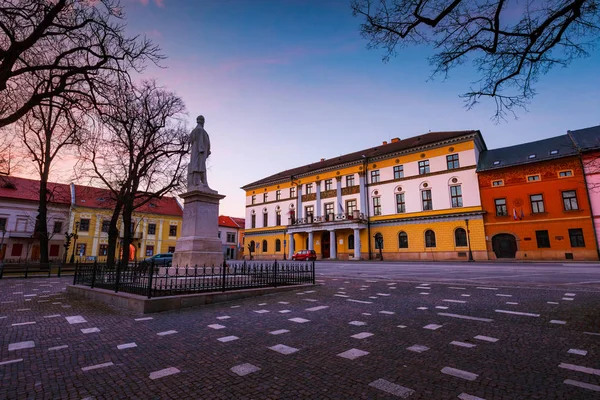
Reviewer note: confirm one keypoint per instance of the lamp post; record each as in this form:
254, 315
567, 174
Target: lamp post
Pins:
74, 242
469, 240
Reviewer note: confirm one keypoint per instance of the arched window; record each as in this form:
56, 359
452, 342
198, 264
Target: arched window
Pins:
429, 238
460, 237
264, 246
403, 240
351, 242
378, 241
277, 245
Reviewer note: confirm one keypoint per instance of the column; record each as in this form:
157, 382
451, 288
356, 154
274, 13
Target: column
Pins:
97, 228
332, 245
290, 245
318, 189
338, 189
363, 192
357, 244
310, 241
159, 237
299, 210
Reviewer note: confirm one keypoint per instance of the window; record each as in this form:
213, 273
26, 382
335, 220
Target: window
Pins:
456, 196
429, 238
171, 249
531, 156
292, 191
537, 203
278, 195
54, 249
151, 229
57, 227
277, 245
2, 224
497, 162
219, 234
533, 178
265, 197
378, 241
308, 188
543, 239
564, 174
328, 184
264, 246
309, 210
570, 200
452, 161
21, 225
460, 237
17, 249
105, 226
426, 199
398, 171
265, 220
172, 230
351, 206
84, 225
553, 152
277, 217
576, 236
403, 240
103, 250
230, 237
81, 248
375, 176
498, 183
328, 210
376, 205
400, 204
149, 251
423, 167
501, 210
253, 199
253, 221
349, 180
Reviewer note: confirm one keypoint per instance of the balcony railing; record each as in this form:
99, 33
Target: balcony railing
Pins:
354, 216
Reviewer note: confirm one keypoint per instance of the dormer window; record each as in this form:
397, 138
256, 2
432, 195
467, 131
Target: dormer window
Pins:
496, 162
531, 156
553, 152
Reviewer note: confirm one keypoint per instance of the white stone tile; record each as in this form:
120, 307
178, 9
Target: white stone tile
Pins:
90, 330
578, 352
558, 322
567, 298
462, 344
21, 345
216, 326
285, 311
311, 300
582, 385
392, 388
417, 348
244, 369
517, 313
24, 309
226, 339
283, 302
512, 303
359, 301
362, 335
163, 372
76, 319
317, 308
299, 320
64, 346
23, 323
223, 317
401, 326
97, 366
454, 301
279, 332
52, 316
143, 319
166, 333
263, 304
569, 294
373, 297
466, 396
261, 311
383, 294
366, 313
387, 312
432, 327
353, 354
283, 349
357, 323
441, 307
465, 295
552, 302
486, 338
235, 307
469, 376
422, 308
126, 346
16, 360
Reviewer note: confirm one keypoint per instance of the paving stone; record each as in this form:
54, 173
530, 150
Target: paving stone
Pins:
432, 327
163, 372
216, 326
357, 323
279, 332
299, 320
244, 369
90, 330
418, 348
392, 388
21, 345
362, 335
283, 349
353, 354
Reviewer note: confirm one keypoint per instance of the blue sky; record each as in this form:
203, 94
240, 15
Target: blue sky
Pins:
283, 83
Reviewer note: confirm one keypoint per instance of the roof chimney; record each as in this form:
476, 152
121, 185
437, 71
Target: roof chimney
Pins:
394, 140
322, 159
384, 142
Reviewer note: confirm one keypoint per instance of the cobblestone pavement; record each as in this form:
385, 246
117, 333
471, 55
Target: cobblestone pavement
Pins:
343, 339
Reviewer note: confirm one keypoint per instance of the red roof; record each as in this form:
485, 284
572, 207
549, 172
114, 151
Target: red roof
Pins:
12, 187
93, 197
231, 222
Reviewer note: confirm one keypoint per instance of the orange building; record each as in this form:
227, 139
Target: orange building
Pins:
536, 204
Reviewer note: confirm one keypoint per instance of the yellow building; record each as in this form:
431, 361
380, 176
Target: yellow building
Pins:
156, 225
411, 199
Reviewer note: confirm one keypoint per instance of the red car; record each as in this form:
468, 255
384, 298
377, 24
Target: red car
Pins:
309, 255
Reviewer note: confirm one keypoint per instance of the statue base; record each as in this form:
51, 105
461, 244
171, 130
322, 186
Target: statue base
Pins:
199, 243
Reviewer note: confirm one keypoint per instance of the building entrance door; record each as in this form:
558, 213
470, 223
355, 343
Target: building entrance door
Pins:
504, 245
325, 245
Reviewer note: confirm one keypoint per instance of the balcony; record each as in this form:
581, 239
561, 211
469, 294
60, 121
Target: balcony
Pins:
355, 216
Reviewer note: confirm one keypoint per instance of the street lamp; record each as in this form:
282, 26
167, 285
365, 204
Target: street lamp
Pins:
74, 242
469, 241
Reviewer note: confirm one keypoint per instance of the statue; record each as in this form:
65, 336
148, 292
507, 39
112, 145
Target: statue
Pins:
199, 153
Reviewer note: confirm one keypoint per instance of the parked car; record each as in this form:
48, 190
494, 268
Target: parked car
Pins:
160, 259
300, 255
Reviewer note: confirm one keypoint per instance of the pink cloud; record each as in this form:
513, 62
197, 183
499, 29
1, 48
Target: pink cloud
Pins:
159, 3
144, 2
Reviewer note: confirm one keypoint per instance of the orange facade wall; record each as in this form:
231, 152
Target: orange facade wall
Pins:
517, 191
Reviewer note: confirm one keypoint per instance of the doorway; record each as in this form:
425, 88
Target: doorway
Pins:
325, 245
504, 245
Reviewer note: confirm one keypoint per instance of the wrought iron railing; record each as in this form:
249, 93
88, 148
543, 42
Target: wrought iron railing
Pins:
34, 269
331, 218
157, 281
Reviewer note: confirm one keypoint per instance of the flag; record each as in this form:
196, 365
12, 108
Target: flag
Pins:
514, 214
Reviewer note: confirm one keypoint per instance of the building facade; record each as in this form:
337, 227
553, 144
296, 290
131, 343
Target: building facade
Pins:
536, 202
411, 199
231, 230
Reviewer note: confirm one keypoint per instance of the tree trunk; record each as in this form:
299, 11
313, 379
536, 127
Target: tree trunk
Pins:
42, 217
127, 232
113, 235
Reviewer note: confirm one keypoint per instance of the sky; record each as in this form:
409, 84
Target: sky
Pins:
284, 83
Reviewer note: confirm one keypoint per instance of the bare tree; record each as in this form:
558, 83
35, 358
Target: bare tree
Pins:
139, 153
50, 48
11, 160
47, 130
511, 43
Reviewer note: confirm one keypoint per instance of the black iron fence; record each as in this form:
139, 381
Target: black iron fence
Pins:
35, 269
157, 281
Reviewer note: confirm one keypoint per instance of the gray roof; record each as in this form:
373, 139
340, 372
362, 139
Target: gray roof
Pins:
586, 139
527, 153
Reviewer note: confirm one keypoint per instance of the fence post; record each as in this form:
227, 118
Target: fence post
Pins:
59, 268
93, 273
275, 273
118, 278
150, 275
26, 269
74, 275
313, 272
49, 269
224, 274
1, 269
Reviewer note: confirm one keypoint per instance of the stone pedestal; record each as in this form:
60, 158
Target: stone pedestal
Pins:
199, 243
